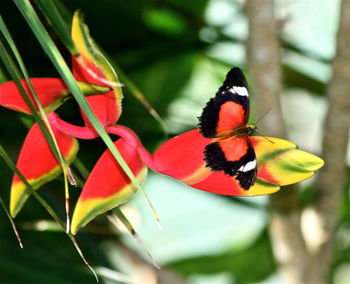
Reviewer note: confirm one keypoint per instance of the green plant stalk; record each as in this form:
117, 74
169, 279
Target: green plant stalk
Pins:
81, 168
54, 18
12, 222
118, 214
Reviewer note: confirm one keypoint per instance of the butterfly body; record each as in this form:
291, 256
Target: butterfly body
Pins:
224, 119
240, 131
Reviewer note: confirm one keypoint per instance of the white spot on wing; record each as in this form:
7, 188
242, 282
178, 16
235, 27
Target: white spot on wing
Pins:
241, 91
248, 166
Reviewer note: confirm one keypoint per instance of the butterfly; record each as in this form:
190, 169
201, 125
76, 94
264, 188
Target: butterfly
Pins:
224, 118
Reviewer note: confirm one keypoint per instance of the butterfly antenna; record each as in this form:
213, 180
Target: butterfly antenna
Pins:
264, 137
262, 116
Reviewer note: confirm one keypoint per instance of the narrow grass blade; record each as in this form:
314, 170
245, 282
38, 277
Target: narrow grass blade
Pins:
55, 19
82, 256
12, 223
136, 92
119, 215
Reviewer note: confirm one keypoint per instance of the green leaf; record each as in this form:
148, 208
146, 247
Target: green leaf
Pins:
55, 19
249, 265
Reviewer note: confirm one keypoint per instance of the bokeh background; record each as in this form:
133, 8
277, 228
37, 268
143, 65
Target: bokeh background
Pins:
177, 53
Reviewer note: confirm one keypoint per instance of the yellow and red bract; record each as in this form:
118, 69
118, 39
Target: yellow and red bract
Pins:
38, 164
89, 65
279, 163
108, 186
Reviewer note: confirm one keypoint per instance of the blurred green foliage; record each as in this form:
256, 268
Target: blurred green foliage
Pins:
235, 262
159, 45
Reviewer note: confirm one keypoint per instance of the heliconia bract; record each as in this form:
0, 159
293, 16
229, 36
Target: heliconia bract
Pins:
38, 164
279, 163
89, 65
108, 186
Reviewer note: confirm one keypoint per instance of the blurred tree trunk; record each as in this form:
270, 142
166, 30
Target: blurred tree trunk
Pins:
293, 255
330, 183
263, 56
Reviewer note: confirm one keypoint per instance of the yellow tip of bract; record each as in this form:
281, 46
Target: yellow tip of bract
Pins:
19, 195
281, 163
88, 209
262, 188
80, 35
294, 166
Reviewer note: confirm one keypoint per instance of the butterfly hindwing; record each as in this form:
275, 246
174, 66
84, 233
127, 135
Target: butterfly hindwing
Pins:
235, 157
229, 108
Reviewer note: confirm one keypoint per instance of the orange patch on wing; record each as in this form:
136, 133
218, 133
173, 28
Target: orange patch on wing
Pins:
231, 115
234, 148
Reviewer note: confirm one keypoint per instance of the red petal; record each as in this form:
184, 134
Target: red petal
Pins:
49, 91
107, 177
220, 183
106, 107
38, 164
182, 157
108, 186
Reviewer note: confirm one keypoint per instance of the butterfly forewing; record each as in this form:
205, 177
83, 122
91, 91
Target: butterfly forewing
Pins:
229, 108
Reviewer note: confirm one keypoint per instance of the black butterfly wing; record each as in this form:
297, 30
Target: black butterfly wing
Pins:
229, 108
235, 157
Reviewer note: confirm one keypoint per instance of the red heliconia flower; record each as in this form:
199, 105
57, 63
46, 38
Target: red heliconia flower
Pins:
108, 186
